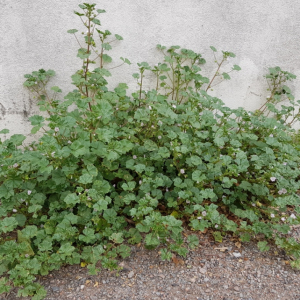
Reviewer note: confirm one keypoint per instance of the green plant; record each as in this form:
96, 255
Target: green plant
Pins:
112, 169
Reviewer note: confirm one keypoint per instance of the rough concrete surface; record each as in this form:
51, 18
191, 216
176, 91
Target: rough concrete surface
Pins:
34, 35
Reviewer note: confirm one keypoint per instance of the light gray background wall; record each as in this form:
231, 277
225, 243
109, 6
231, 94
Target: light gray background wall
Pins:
34, 35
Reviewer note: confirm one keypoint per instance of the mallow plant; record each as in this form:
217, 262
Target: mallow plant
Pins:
111, 169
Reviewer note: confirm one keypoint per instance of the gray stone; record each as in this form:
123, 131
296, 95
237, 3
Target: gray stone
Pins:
130, 274
236, 254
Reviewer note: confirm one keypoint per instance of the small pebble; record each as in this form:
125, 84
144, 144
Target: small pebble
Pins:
236, 254
130, 274
193, 280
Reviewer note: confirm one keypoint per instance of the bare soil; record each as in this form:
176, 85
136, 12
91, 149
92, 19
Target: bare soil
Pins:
227, 270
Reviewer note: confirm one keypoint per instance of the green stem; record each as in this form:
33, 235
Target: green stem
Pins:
215, 75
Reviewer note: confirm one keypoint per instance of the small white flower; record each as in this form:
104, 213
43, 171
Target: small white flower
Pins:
117, 108
187, 201
28, 192
271, 135
22, 200
182, 171
52, 154
114, 185
174, 106
283, 219
282, 191
204, 213
272, 216
285, 163
142, 124
26, 255
293, 216
30, 149
216, 226
14, 210
152, 126
129, 137
253, 204
140, 182
159, 122
15, 165
150, 107
56, 129
199, 218
275, 127
159, 137
273, 179
134, 157
69, 142
167, 189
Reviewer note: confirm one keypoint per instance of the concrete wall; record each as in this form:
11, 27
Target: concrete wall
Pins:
34, 35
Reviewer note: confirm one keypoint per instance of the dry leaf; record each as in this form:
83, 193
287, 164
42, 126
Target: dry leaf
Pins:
238, 244
129, 221
177, 261
96, 284
222, 249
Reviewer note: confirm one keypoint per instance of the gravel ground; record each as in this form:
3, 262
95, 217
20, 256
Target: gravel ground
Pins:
226, 270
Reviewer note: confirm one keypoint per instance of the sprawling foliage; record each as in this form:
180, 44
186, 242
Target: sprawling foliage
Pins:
111, 169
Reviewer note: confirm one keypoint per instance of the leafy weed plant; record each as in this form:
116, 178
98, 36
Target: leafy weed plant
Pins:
112, 169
